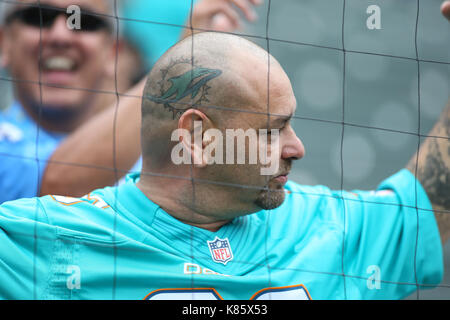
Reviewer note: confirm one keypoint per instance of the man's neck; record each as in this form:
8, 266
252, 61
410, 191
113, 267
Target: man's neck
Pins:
177, 209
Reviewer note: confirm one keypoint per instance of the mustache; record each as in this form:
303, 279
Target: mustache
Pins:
284, 168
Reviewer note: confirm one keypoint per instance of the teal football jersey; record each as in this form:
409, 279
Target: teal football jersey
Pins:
115, 243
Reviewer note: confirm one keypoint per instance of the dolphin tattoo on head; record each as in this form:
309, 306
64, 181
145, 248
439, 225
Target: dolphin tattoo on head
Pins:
188, 83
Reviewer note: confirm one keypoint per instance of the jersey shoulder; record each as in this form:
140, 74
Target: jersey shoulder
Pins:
89, 217
310, 202
77, 213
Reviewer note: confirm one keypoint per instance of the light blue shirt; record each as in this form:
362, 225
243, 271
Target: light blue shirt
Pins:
117, 243
24, 152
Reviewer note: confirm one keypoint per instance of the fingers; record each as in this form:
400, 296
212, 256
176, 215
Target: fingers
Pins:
246, 6
257, 2
445, 9
222, 23
223, 15
224, 11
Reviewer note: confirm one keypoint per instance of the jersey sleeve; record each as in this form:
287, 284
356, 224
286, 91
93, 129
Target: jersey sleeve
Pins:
392, 245
26, 248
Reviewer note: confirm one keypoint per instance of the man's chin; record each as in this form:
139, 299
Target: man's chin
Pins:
54, 111
269, 199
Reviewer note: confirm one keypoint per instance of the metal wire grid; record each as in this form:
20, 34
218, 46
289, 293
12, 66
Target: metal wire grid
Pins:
268, 39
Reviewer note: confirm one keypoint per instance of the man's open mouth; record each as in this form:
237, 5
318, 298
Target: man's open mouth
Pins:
58, 70
58, 64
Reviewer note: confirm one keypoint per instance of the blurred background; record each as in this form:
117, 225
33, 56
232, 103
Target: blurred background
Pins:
381, 92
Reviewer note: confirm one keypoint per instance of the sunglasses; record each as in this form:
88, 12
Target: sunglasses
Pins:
31, 16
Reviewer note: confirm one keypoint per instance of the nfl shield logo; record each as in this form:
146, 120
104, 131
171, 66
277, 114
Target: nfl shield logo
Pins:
220, 250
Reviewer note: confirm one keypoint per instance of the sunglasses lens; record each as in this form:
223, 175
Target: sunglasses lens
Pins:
92, 23
32, 16
48, 16
29, 16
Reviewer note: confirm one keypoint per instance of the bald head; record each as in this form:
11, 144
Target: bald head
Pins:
205, 124
227, 75
224, 57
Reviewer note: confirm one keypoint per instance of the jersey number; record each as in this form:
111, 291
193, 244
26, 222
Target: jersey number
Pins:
296, 292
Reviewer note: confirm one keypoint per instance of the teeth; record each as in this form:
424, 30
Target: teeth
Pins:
59, 63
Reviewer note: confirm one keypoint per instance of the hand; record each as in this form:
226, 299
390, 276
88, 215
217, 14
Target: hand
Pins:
445, 9
220, 15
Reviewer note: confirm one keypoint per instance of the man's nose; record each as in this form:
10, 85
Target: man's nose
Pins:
58, 32
293, 147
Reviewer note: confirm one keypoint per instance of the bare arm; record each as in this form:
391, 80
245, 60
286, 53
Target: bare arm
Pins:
85, 160
433, 171
433, 163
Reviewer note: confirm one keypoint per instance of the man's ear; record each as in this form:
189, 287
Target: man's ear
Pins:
196, 123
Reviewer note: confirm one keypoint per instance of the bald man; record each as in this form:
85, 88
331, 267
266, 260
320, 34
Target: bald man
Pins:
47, 140
198, 223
